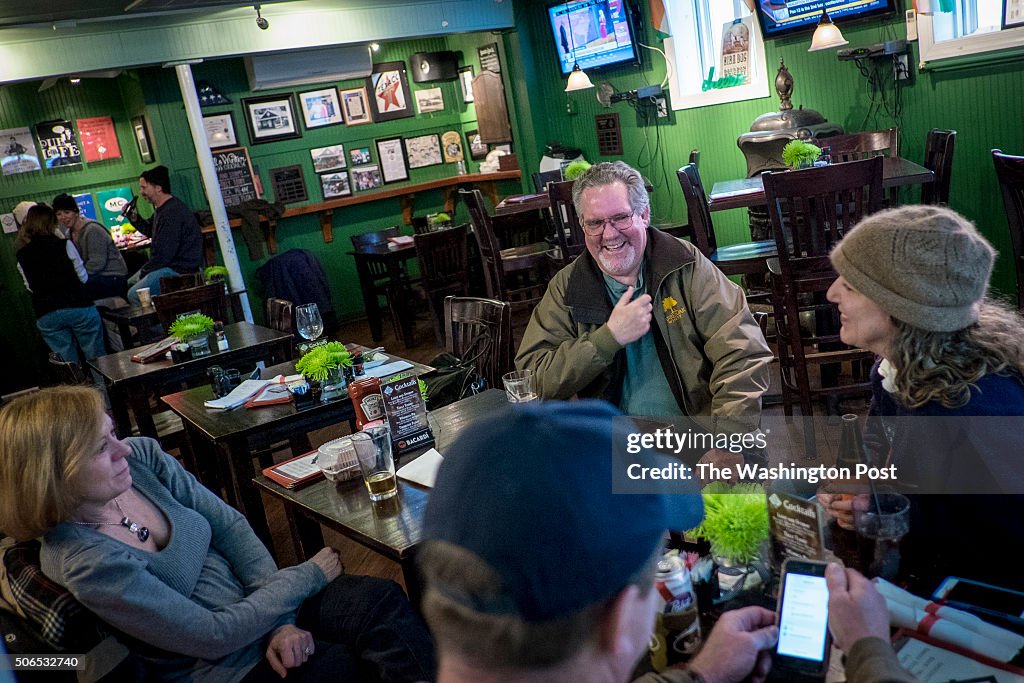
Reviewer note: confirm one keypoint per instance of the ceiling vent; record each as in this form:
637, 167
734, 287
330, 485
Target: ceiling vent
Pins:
305, 67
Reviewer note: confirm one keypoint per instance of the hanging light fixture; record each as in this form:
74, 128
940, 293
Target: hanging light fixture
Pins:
578, 79
827, 34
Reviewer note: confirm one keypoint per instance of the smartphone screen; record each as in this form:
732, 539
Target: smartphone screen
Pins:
803, 620
987, 597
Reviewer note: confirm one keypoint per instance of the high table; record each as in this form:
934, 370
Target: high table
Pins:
224, 440
130, 384
742, 192
391, 527
393, 260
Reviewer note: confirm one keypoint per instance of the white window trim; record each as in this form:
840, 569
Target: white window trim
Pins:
684, 37
932, 51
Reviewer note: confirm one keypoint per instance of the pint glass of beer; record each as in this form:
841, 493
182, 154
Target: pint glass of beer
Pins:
373, 449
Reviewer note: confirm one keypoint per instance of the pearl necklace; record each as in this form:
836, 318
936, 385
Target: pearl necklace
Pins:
140, 531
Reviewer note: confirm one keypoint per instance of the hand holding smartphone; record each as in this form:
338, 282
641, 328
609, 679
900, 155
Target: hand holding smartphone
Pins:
804, 639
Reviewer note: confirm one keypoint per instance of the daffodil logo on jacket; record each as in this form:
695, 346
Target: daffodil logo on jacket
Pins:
673, 311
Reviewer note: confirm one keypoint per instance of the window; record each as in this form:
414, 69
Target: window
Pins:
696, 46
962, 28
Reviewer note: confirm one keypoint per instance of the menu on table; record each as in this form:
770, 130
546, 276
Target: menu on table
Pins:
406, 413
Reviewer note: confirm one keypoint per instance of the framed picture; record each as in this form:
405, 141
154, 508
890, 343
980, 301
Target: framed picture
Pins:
355, 107
429, 100
220, 130
360, 155
466, 74
451, 142
18, 151
99, 140
271, 118
321, 108
423, 150
366, 178
328, 158
58, 144
142, 139
389, 92
336, 185
1013, 13
391, 157
477, 150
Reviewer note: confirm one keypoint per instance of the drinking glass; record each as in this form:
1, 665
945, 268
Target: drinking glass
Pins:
881, 522
373, 449
519, 386
309, 322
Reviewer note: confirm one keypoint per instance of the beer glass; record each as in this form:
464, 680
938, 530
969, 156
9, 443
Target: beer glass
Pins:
373, 450
519, 386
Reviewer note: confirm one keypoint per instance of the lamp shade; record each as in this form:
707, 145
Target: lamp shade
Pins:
578, 80
826, 35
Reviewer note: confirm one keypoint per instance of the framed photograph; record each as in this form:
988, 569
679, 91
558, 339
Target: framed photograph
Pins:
391, 157
142, 139
429, 100
355, 107
328, 158
451, 142
220, 130
360, 156
466, 74
1013, 13
423, 150
389, 92
321, 108
336, 185
477, 150
271, 118
366, 178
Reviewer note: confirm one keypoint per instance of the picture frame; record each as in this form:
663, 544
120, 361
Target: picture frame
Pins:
220, 130
429, 100
1013, 14
451, 143
366, 177
388, 90
140, 129
391, 159
327, 159
321, 108
360, 156
271, 118
335, 185
355, 106
423, 151
477, 150
466, 74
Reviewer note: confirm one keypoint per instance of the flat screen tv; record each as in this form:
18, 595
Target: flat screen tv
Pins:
786, 17
594, 33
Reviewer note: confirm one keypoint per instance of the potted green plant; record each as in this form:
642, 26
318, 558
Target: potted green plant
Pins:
800, 154
322, 365
575, 169
215, 274
439, 221
193, 329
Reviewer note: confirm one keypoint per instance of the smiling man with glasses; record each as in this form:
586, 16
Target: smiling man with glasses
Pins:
644, 321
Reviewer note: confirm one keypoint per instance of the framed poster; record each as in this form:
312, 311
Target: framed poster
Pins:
477, 150
99, 140
335, 185
423, 150
58, 144
451, 142
355, 107
18, 151
234, 175
220, 130
270, 118
360, 155
1013, 13
391, 157
429, 100
321, 108
488, 55
366, 177
142, 139
389, 92
86, 206
328, 158
111, 203
466, 74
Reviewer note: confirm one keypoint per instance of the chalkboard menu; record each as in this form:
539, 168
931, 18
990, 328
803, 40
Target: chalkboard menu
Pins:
234, 174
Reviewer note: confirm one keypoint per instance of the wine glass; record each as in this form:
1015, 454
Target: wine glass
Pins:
309, 322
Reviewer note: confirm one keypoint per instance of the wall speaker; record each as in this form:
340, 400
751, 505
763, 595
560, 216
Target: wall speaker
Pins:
434, 66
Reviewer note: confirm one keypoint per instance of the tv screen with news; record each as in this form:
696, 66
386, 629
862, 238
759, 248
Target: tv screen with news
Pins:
593, 33
786, 17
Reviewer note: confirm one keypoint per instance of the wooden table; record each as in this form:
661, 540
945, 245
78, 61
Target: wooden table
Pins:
522, 203
223, 441
130, 384
392, 527
735, 194
393, 260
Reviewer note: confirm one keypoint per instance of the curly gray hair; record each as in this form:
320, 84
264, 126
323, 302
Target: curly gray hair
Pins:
606, 173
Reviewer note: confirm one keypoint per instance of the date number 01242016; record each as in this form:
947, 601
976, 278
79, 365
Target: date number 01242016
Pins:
42, 662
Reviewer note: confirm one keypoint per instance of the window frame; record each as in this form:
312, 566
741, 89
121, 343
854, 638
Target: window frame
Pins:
979, 47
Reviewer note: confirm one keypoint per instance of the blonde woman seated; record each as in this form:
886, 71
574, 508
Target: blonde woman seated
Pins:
178, 573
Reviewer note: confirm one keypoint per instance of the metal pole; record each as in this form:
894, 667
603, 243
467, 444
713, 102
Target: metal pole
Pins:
212, 187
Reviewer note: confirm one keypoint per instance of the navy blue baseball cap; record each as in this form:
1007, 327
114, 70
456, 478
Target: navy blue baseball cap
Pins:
529, 491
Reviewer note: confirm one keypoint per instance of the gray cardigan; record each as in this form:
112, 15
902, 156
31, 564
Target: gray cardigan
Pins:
207, 599
99, 252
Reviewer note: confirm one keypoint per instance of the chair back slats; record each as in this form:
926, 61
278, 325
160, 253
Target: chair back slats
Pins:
542, 179
487, 241
568, 230
1010, 172
480, 327
174, 283
855, 146
209, 299
378, 269
443, 257
697, 211
280, 315
938, 158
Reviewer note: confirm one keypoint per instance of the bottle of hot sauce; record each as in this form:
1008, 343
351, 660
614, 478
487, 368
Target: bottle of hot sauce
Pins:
367, 401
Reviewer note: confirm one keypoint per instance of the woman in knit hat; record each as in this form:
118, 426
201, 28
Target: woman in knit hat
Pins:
912, 288
108, 274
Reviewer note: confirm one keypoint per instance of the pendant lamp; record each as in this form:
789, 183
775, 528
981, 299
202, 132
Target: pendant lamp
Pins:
827, 34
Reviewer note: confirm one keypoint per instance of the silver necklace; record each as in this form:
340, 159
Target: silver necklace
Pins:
140, 531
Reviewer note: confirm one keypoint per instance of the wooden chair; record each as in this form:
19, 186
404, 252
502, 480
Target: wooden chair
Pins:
209, 299
810, 211
694, 157
444, 261
855, 146
542, 179
381, 277
66, 371
1010, 172
174, 283
938, 158
568, 230
475, 326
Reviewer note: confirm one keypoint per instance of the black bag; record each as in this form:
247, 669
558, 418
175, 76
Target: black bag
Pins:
456, 378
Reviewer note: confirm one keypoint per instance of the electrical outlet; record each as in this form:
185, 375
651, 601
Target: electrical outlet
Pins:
901, 67
662, 107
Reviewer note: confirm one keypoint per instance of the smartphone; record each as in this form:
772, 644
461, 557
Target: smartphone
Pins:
804, 640
982, 599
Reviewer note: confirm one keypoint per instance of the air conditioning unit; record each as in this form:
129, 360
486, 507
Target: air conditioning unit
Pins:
304, 67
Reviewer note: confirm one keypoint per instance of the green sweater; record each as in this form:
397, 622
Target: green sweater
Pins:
205, 601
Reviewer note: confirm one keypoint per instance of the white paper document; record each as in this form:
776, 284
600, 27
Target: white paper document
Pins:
422, 470
239, 395
387, 369
303, 467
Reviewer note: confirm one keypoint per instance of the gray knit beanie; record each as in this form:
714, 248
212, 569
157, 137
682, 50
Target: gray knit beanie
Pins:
925, 265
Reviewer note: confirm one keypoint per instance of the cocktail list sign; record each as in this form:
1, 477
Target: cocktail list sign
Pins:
58, 144
406, 413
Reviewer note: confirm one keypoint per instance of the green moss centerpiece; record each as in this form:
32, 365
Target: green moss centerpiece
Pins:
799, 154
195, 330
322, 366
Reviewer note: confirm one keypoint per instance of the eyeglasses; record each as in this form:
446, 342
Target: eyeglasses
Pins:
619, 221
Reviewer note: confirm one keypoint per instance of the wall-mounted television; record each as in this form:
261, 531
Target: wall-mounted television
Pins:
786, 17
594, 33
